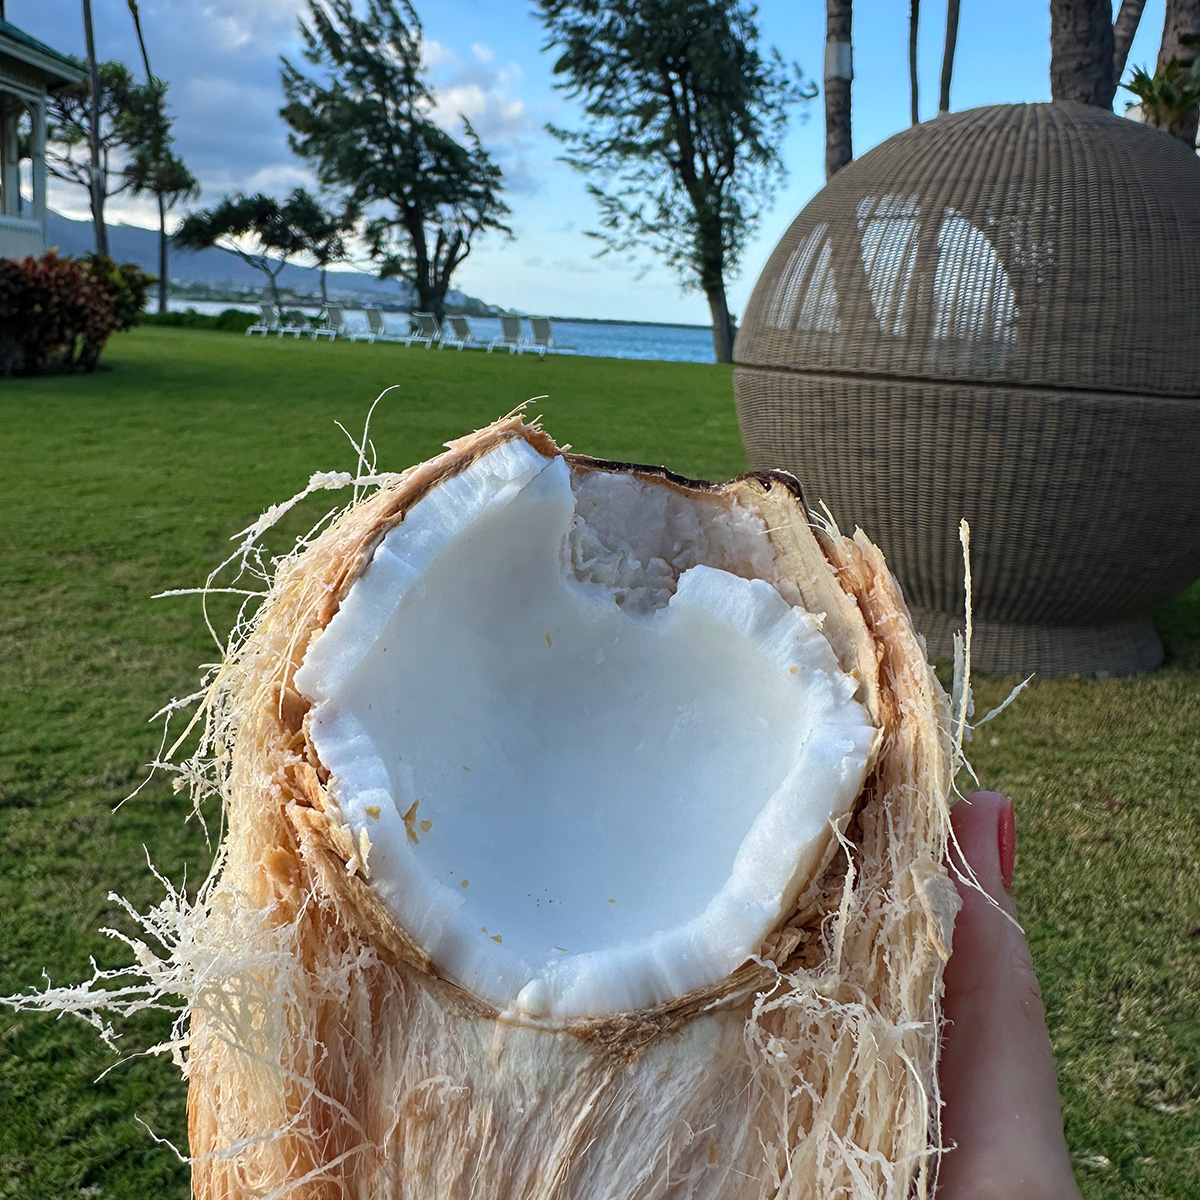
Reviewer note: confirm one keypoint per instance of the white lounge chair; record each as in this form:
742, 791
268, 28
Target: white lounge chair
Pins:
315, 327
427, 329
377, 330
543, 337
272, 322
461, 336
335, 322
510, 334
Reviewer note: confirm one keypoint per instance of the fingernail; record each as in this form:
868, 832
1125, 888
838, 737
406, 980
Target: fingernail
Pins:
1006, 835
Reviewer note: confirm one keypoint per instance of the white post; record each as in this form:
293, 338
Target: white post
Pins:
40, 214
10, 179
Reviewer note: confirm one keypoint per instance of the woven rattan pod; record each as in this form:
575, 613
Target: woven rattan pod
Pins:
996, 315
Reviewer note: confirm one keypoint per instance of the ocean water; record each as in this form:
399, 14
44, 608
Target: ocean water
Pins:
670, 343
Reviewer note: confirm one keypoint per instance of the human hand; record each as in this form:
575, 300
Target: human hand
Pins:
999, 1088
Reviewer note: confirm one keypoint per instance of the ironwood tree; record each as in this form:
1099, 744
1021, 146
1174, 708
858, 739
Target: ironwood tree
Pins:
365, 122
683, 116
266, 233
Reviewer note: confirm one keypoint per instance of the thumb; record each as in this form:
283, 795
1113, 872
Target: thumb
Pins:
999, 1088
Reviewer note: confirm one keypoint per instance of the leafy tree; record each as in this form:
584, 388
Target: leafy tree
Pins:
366, 123
684, 117
264, 232
128, 115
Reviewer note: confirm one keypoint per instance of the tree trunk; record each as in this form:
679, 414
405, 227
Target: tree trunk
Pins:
1082, 52
1182, 18
839, 73
96, 190
437, 301
914, 9
273, 276
324, 297
162, 255
1124, 29
722, 326
948, 55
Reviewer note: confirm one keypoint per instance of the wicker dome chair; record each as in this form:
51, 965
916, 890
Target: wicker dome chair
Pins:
996, 315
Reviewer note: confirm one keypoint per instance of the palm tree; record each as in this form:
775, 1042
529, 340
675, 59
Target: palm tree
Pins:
156, 168
948, 55
1082, 52
839, 73
914, 9
1124, 27
161, 172
1177, 73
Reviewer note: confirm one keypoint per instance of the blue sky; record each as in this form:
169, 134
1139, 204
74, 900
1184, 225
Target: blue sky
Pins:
486, 60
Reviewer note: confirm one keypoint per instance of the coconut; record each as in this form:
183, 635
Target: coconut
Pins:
585, 830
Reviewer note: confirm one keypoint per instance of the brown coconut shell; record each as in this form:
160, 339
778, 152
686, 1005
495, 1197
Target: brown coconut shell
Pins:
328, 1059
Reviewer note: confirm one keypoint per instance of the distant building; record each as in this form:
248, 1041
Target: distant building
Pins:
29, 71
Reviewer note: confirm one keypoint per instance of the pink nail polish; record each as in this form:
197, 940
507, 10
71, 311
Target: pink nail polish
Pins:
1006, 835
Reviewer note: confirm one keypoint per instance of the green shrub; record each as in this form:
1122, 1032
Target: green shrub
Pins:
126, 284
229, 320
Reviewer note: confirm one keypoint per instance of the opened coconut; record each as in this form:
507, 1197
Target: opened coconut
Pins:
584, 839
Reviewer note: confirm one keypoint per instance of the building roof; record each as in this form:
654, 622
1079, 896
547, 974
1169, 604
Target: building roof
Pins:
58, 67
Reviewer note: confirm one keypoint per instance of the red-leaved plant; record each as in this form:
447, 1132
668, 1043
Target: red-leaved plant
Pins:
56, 314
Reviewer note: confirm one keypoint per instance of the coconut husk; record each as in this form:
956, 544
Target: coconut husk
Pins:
327, 1058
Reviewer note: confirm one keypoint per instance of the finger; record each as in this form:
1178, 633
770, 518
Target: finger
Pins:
999, 1087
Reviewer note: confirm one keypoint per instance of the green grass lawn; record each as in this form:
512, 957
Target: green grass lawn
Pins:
128, 482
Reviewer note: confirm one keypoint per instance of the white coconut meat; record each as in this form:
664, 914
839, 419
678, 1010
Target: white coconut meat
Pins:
594, 762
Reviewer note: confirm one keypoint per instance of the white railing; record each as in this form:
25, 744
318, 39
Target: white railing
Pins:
20, 236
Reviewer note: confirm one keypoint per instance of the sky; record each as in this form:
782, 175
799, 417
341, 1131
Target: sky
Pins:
486, 60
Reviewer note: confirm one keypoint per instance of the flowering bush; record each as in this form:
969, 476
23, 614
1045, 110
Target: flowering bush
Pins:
56, 314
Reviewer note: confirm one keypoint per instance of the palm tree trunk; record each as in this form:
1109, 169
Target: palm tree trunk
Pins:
948, 55
97, 182
1082, 52
839, 73
162, 254
914, 9
1124, 28
137, 28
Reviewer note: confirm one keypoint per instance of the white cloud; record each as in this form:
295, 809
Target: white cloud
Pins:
485, 54
435, 55
497, 117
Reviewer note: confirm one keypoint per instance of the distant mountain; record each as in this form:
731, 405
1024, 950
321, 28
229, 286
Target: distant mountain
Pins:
219, 269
